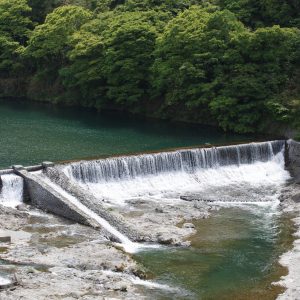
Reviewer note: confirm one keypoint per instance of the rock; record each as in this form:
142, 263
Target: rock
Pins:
188, 225
31, 271
123, 288
6, 283
187, 198
5, 239
22, 207
296, 198
165, 239
185, 244
159, 210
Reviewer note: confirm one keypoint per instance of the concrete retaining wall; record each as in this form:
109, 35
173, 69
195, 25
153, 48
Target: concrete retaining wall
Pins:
43, 195
293, 159
46, 198
90, 201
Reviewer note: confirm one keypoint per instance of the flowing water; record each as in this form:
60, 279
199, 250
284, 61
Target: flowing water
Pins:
11, 190
250, 173
127, 244
235, 253
32, 133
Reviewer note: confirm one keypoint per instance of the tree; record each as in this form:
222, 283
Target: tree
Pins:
189, 56
112, 55
260, 13
8, 56
49, 42
209, 62
14, 21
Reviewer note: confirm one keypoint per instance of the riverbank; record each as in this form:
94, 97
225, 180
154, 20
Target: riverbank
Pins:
49, 254
48, 257
291, 259
53, 258
221, 223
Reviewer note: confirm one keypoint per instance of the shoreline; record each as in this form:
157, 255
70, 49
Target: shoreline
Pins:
291, 259
53, 251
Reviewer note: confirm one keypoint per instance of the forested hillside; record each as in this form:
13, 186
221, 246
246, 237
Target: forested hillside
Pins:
232, 63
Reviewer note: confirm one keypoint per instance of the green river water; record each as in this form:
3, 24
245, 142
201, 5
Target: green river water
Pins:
31, 133
234, 255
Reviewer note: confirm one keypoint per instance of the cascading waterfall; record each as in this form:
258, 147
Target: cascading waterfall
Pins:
169, 175
126, 243
189, 161
11, 192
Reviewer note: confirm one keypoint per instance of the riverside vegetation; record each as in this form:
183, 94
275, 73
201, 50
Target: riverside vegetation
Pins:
230, 63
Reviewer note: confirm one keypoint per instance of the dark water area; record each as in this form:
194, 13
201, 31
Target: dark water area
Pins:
234, 255
31, 133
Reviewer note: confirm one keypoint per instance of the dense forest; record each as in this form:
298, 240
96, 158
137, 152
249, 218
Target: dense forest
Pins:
231, 63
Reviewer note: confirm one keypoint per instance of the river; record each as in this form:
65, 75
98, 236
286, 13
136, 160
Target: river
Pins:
235, 252
31, 133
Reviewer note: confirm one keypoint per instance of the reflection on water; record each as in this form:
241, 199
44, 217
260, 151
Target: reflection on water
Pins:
31, 133
233, 256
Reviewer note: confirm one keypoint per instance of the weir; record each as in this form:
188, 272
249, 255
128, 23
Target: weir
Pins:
76, 190
180, 174
11, 190
130, 167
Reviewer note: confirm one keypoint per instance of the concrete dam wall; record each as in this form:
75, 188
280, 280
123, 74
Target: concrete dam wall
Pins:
293, 159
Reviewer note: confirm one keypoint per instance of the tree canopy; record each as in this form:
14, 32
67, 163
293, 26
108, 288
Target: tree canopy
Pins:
232, 63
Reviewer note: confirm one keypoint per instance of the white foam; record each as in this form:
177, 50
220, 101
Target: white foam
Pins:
147, 283
127, 244
171, 185
11, 194
4, 281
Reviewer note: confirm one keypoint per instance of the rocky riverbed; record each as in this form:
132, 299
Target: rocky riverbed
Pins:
290, 199
47, 257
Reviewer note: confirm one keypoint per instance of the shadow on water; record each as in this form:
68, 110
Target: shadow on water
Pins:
234, 255
31, 133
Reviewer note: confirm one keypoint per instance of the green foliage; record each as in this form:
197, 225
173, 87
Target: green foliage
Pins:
112, 55
172, 6
226, 62
41, 8
260, 65
50, 40
128, 59
15, 27
209, 60
259, 13
14, 21
8, 56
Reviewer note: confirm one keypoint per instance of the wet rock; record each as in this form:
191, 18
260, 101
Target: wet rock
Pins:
165, 239
22, 207
296, 198
159, 210
185, 244
5, 239
188, 225
187, 198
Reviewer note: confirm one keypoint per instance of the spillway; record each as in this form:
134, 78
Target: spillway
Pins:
169, 175
11, 190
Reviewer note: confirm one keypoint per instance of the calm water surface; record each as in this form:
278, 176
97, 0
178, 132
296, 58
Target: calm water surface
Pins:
32, 133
